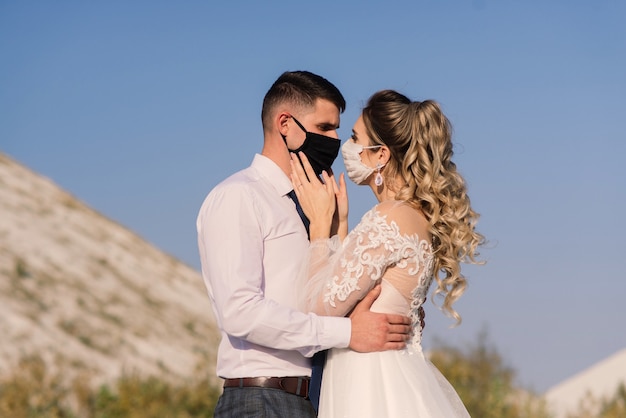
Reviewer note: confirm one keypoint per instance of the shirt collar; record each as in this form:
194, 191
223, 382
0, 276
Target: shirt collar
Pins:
273, 173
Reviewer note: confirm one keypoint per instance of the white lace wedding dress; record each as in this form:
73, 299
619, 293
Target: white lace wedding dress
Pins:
384, 247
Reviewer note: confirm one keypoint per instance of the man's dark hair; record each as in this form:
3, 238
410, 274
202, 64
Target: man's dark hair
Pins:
301, 88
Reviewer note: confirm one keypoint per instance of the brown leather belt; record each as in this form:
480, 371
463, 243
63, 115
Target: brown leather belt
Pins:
294, 385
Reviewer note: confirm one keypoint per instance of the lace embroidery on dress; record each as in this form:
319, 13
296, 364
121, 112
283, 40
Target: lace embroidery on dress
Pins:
380, 245
373, 232
337, 274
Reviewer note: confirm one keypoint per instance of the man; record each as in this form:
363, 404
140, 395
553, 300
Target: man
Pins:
252, 242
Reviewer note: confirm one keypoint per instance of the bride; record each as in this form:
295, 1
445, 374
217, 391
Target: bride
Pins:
417, 235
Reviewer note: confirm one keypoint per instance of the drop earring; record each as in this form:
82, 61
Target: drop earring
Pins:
378, 180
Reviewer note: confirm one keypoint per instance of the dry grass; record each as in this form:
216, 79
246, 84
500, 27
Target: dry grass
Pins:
32, 391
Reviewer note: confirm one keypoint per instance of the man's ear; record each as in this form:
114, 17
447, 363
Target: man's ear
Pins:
281, 121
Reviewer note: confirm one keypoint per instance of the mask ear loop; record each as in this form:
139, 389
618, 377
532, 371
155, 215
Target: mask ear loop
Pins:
299, 124
285, 138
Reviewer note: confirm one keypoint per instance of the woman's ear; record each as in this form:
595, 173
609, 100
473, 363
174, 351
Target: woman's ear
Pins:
384, 155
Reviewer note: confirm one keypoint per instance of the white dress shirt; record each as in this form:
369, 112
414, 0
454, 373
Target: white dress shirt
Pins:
252, 243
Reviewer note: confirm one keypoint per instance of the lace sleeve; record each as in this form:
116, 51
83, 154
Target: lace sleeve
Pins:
338, 274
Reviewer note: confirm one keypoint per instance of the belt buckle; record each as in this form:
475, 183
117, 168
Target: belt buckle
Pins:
298, 389
302, 387
283, 386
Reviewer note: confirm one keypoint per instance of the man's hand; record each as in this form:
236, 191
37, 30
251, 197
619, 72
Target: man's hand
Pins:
372, 331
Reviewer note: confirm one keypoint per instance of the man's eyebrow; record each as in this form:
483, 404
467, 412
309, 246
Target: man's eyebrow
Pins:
328, 126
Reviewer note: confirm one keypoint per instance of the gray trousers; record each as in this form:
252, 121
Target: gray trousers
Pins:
262, 403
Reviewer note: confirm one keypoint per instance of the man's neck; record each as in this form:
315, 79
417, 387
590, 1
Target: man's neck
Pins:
275, 150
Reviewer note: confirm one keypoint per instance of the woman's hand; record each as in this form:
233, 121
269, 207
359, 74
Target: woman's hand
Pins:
340, 220
317, 199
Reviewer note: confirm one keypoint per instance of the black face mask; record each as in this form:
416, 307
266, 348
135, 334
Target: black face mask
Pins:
321, 150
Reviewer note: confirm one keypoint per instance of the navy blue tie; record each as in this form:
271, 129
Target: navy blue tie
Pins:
305, 220
319, 358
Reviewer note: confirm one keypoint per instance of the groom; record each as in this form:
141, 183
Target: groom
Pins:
252, 242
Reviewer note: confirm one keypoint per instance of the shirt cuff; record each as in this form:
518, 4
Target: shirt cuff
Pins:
336, 332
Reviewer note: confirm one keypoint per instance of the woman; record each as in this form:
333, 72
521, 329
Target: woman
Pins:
420, 231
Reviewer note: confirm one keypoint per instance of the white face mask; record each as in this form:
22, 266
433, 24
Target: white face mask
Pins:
357, 171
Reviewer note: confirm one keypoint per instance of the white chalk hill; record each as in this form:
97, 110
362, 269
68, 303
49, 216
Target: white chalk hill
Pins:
89, 296
600, 381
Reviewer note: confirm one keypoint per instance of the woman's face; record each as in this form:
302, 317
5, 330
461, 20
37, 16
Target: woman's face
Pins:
359, 136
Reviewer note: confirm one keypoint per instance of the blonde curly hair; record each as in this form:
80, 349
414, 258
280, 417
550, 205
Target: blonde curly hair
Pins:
421, 172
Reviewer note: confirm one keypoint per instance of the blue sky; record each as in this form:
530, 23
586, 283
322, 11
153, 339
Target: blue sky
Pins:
140, 108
